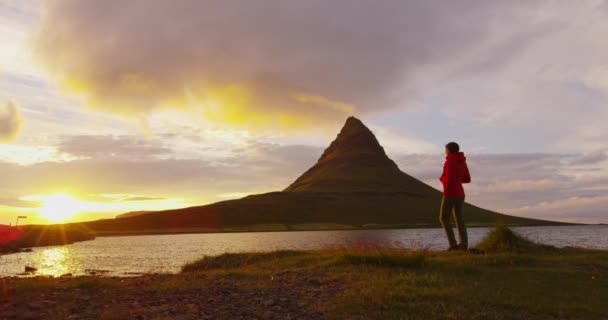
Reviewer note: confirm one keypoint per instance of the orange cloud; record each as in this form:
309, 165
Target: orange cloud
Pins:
270, 63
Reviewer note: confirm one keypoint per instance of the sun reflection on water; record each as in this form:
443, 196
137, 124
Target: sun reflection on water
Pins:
54, 261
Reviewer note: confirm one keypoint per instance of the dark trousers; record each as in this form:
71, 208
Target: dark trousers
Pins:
451, 207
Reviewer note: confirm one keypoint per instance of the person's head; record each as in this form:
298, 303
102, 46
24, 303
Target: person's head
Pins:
451, 147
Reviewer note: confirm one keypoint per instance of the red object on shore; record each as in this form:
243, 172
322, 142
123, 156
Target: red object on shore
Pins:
9, 234
455, 173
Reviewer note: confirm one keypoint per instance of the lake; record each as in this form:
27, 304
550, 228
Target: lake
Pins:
133, 255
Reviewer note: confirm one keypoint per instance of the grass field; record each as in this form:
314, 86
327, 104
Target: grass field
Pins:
513, 279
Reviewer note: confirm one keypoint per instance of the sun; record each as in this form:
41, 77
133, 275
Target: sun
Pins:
59, 207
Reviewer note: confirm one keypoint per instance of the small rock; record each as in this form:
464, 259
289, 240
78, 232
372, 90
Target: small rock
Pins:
66, 275
30, 269
96, 271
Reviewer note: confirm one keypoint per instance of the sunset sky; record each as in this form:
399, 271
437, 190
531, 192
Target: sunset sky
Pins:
114, 106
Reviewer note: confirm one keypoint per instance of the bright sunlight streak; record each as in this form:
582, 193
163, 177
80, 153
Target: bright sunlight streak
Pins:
64, 207
58, 207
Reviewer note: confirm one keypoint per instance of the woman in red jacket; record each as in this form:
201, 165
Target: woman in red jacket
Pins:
455, 173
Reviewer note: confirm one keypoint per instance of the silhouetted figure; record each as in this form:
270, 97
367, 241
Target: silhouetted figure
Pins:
455, 173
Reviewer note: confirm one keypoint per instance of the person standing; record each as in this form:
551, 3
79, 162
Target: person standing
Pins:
455, 173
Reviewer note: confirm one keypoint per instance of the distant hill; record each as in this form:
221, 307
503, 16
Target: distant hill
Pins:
41, 235
353, 185
132, 214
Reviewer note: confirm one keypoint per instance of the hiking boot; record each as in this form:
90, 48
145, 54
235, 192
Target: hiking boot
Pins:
453, 248
462, 247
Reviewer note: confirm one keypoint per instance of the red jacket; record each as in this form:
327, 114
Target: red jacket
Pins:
455, 173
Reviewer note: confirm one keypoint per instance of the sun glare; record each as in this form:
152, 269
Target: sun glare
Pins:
63, 207
59, 207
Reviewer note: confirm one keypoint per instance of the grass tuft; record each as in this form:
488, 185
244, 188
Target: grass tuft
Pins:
237, 260
504, 240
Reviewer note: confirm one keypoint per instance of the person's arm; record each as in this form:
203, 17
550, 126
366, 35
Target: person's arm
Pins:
443, 177
466, 178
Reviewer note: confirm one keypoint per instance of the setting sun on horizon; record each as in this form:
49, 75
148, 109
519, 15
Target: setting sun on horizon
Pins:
58, 208
64, 207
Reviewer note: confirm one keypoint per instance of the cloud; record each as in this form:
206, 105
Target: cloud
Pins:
591, 158
538, 84
142, 198
574, 209
18, 203
133, 168
125, 197
396, 142
28, 155
270, 63
112, 146
11, 122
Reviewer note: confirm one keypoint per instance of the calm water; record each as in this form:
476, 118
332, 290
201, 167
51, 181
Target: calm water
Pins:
124, 256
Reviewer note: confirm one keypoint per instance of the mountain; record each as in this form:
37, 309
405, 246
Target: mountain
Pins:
354, 184
356, 162
132, 214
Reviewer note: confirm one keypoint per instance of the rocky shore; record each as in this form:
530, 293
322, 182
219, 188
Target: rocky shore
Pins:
201, 296
11, 249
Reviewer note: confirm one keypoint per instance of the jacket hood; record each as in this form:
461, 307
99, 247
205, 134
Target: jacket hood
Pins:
459, 156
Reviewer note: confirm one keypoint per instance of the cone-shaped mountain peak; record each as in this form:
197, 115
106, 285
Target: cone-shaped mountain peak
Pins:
355, 161
356, 143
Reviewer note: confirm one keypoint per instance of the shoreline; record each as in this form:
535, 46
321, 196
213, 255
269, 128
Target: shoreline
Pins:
17, 269
255, 230
7, 250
